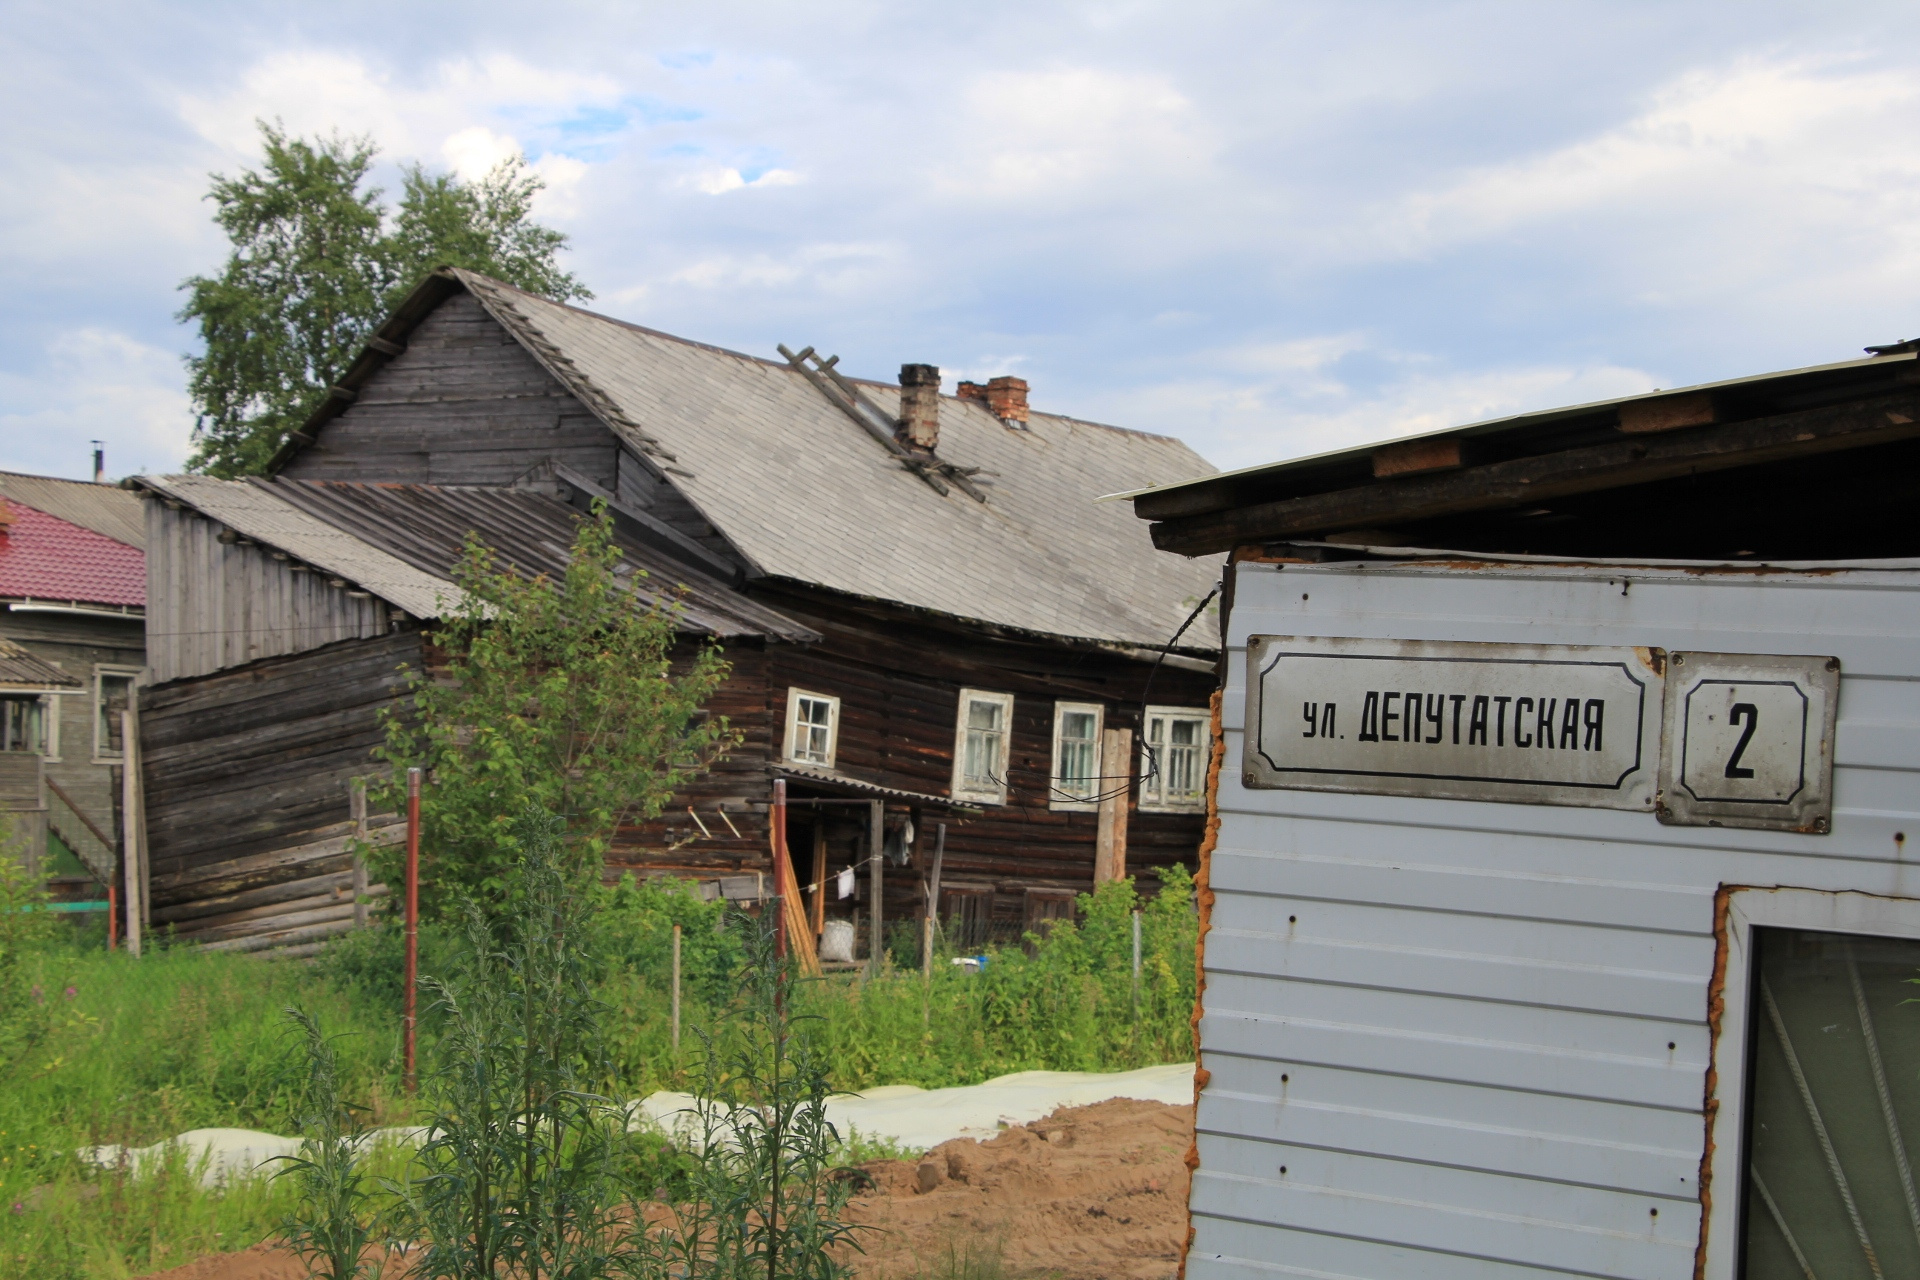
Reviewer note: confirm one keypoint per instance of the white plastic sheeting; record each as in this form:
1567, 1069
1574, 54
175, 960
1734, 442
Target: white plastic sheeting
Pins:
913, 1117
917, 1118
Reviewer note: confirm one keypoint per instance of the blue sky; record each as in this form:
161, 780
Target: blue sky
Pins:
1269, 228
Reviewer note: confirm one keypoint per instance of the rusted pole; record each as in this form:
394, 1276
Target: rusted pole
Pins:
780, 877
675, 1033
413, 928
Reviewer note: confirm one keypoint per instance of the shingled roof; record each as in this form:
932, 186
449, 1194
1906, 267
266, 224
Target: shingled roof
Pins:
804, 494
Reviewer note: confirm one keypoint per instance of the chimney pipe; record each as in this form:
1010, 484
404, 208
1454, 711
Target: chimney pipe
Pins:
919, 426
99, 462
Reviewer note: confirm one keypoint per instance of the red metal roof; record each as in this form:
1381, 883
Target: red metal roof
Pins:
43, 557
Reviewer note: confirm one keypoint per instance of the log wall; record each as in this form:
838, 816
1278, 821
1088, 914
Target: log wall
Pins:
246, 775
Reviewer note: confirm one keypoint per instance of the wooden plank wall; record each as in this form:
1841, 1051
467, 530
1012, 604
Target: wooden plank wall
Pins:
214, 605
246, 775
464, 404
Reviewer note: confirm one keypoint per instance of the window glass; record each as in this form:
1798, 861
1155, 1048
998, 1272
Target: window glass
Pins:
1077, 771
111, 692
1175, 769
23, 724
1834, 1108
812, 730
986, 735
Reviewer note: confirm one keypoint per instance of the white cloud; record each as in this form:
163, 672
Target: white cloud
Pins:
719, 181
450, 111
1053, 135
1763, 150
96, 384
1265, 402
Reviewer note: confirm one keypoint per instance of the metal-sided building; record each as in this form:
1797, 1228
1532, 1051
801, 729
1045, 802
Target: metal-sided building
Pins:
1560, 900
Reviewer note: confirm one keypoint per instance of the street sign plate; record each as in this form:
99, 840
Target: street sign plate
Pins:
1530, 724
1749, 741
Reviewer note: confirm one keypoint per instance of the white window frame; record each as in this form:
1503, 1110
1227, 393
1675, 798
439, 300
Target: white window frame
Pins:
100, 673
1153, 789
794, 695
962, 789
1056, 799
1859, 913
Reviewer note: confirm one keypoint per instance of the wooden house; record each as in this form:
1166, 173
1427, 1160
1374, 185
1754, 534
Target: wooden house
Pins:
929, 618
72, 596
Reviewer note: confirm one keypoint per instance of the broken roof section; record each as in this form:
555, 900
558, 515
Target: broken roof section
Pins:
804, 494
21, 672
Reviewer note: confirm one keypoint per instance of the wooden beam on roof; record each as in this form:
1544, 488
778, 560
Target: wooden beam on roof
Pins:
1417, 456
1643, 417
1617, 464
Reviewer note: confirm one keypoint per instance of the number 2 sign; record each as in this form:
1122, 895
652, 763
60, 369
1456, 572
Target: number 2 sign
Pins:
1748, 741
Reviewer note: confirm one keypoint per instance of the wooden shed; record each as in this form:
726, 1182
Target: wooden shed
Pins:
1561, 918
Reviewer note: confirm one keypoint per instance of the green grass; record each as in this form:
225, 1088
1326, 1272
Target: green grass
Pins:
100, 1048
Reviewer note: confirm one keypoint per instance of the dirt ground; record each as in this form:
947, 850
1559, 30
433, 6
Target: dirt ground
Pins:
1089, 1193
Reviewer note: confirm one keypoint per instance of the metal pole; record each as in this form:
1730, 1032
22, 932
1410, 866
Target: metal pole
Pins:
1136, 964
780, 877
676, 993
413, 927
876, 852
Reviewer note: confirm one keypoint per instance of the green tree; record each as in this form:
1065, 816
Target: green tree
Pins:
317, 263
571, 696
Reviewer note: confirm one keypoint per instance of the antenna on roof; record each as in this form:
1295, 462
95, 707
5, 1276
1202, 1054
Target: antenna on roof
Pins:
99, 461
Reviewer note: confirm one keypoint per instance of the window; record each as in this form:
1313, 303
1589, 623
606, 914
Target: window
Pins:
980, 746
813, 728
23, 725
1818, 1098
112, 694
1076, 755
1173, 759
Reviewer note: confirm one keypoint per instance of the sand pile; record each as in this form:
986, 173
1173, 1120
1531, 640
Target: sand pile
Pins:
1089, 1193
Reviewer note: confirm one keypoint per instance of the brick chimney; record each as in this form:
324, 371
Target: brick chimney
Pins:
1007, 399
919, 426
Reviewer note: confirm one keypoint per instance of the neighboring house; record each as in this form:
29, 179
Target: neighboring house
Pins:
73, 596
922, 602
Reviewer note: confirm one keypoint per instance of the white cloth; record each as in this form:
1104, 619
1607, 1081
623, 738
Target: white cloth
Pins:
845, 883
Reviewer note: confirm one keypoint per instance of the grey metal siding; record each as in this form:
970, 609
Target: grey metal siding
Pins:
1474, 1036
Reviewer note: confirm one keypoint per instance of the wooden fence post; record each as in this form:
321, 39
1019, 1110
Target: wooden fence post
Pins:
675, 1033
130, 832
1116, 784
413, 928
357, 800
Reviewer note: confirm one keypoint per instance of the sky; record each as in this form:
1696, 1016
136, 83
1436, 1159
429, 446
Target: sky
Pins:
1268, 229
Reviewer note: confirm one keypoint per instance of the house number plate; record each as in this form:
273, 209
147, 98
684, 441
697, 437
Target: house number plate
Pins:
1749, 741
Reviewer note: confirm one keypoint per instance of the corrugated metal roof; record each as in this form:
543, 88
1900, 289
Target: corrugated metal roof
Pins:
835, 780
427, 526
806, 495
43, 557
255, 511
21, 670
106, 509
